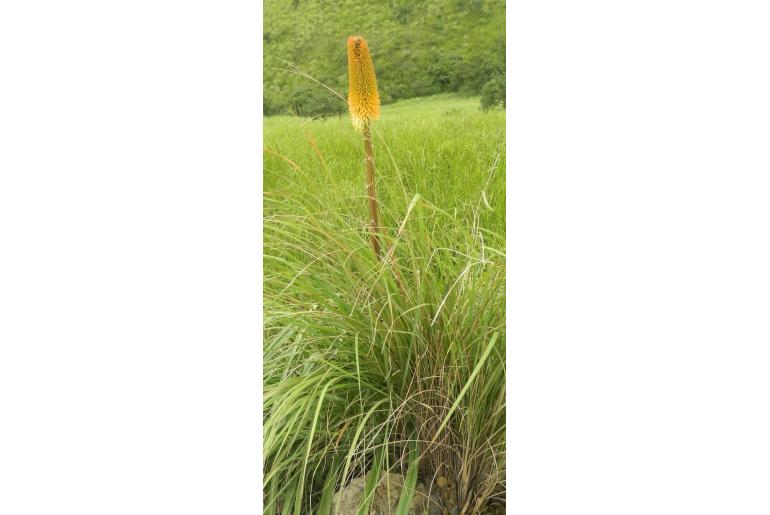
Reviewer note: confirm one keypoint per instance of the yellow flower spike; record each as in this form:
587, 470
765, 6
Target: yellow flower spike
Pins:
363, 98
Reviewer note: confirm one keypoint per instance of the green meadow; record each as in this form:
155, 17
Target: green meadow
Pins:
394, 365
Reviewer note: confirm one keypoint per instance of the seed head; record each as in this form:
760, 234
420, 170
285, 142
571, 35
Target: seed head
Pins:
363, 98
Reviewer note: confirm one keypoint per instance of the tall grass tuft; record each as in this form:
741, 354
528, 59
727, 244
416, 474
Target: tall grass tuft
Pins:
385, 364
360, 372
356, 369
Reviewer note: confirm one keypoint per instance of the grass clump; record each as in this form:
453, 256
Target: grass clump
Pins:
394, 364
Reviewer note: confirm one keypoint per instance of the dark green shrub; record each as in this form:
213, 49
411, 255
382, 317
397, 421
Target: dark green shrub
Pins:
401, 11
493, 93
447, 72
314, 101
475, 74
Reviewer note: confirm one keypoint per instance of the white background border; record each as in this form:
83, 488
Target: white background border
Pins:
638, 257
129, 257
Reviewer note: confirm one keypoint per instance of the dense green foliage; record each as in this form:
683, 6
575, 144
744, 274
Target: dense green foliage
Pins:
493, 93
419, 47
389, 365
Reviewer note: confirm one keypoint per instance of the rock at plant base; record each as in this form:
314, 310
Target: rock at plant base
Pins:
386, 495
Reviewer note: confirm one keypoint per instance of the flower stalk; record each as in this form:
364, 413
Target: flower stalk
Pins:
372, 193
364, 106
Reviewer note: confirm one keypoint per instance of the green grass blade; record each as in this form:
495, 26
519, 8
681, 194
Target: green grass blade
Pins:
330, 484
468, 383
371, 482
354, 443
410, 482
310, 441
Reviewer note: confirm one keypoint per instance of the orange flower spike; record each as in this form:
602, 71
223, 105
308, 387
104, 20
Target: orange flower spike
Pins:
363, 98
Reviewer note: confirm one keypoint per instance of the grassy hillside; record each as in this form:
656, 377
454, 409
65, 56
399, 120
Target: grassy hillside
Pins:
393, 365
419, 47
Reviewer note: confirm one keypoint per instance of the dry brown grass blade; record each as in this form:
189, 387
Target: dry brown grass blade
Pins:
292, 163
317, 151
